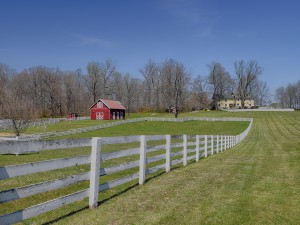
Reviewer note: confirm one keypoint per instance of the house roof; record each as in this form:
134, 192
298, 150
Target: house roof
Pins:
234, 96
111, 104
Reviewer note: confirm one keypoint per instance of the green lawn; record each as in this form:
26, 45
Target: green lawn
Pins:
74, 124
256, 182
65, 125
152, 128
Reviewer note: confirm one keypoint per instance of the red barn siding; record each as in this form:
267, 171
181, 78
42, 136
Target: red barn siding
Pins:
100, 110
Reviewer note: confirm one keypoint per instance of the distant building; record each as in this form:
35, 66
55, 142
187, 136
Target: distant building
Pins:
234, 102
72, 116
107, 110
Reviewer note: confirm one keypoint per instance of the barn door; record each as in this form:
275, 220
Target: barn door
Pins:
99, 115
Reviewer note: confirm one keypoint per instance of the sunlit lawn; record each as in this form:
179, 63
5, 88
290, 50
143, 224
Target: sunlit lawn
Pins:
256, 182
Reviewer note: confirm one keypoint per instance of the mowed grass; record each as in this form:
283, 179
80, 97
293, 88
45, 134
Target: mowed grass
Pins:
146, 127
138, 128
256, 182
75, 124
65, 125
173, 128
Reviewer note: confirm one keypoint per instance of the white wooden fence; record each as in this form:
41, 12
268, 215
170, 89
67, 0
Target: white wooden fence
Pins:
191, 147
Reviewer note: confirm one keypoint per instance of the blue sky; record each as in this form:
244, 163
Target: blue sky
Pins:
69, 34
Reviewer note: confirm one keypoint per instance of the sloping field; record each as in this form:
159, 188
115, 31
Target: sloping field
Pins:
256, 182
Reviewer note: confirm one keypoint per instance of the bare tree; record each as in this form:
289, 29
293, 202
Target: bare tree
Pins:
34, 84
53, 93
175, 81
199, 98
107, 71
70, 89
5, 73
20, 114
117, 87
93, 80
73, 92
291, 92
297, 105
289, 96
37, 93
17, 109
98, 78
280, 96
217, 79
131, 90
151, 73
261, 93
247, 74
81, 96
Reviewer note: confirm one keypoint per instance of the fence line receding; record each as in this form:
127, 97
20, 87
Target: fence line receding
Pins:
153, 153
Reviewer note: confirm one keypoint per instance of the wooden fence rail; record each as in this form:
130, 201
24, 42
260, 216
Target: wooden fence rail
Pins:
178, 149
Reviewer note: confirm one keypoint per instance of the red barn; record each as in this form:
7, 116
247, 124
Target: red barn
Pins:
107, 110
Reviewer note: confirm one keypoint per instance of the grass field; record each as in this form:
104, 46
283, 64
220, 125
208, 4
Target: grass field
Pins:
256, 182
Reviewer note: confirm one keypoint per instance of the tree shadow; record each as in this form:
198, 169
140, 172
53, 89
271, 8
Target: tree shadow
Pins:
159, 173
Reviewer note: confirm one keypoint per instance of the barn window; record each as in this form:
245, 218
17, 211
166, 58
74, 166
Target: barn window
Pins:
99, 105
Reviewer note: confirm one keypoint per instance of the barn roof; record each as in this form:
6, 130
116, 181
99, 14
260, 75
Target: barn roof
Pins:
111, 104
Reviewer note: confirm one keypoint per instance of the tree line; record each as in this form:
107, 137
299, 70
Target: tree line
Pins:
161, 86
289, 96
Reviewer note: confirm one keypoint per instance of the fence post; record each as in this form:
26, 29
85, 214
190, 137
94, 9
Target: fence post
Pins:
95, 172
212, 145
197, 147
205, 146
168, 153
217, 143
184, 149
228, 142
142, 173
221, 143
225, 145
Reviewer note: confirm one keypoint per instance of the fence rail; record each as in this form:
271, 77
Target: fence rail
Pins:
175, 150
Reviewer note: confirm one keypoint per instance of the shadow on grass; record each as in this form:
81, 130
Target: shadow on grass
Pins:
87, 207
157, 174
